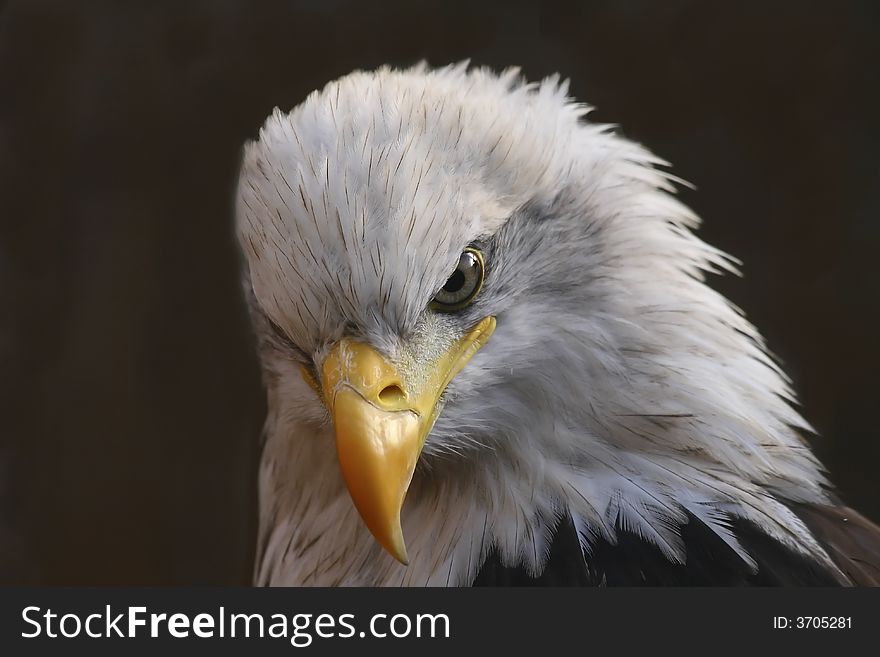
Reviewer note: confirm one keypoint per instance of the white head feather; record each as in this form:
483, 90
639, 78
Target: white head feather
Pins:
618, 387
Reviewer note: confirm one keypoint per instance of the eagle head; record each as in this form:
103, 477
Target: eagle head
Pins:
482, 316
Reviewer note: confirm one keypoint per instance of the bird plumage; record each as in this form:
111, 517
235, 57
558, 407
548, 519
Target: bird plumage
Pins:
620, 397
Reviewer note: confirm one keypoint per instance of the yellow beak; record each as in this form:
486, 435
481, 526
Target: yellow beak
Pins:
381, 424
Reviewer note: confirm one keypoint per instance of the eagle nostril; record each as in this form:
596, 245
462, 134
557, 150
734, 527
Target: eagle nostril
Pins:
392, 395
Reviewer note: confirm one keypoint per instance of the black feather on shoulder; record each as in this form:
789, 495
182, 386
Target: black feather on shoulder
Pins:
850, 539
632, 561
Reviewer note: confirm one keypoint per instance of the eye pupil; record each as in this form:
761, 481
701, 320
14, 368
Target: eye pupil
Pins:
455, 282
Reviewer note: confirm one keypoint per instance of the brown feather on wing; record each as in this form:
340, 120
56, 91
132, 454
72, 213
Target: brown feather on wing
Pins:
850, 539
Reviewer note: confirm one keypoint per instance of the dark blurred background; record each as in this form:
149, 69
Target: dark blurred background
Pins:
129, 393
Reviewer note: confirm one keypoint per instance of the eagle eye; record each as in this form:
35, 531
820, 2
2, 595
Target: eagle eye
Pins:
463, 285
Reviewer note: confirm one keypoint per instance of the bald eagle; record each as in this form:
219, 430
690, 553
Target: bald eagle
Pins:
491, 356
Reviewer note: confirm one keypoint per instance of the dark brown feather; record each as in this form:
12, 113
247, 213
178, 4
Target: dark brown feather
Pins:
633, 561
850, 539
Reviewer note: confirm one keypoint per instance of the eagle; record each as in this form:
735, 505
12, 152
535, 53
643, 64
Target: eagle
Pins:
491, 356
